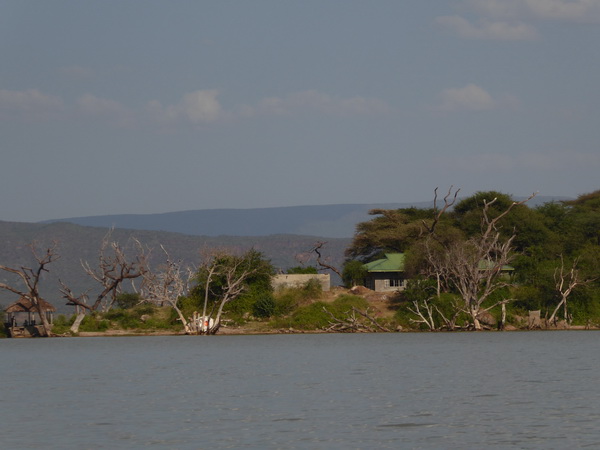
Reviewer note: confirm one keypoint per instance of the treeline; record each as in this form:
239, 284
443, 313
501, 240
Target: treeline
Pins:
453, 249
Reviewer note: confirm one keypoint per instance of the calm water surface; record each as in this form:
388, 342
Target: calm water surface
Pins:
446, 390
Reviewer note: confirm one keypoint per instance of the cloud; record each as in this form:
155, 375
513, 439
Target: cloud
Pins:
468, 98
195, 107
95, 106
486, 29
312, 100
28, 104
512, 19
546, 10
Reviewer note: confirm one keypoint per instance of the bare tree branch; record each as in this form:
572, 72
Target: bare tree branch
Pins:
30, 278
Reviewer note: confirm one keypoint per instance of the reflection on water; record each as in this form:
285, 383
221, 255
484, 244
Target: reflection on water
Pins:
428, 390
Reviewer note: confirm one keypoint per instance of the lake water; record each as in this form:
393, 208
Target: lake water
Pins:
422, 390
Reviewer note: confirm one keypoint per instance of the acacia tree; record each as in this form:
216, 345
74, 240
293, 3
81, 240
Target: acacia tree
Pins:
114, 268
30, 278
473, 267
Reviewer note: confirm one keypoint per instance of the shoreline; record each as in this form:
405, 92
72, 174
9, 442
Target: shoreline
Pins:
253, 332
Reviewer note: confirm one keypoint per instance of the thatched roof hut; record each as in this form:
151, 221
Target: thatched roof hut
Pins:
19, 326
26, 305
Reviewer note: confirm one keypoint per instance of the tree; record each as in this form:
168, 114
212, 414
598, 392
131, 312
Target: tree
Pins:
307, 270
114, 268
167, 286
565, 283
389, 231
30, 278
354, 273
473, 267
223, 278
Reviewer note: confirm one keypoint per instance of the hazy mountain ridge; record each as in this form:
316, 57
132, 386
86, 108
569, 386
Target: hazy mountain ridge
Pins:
335, 221
76, 243
322, 220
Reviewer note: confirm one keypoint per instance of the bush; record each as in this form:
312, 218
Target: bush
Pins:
288, 299
302, 270
94, 322
310, 317
264, 307
62, 324
314, 317
126, 300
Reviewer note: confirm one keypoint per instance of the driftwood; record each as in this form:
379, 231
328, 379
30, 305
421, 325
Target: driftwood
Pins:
355, 321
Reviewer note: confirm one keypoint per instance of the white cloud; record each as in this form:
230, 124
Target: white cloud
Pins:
312, 100
565, 10
195, 107
28, 104
468, 98
512, 19
111, 109
486, 29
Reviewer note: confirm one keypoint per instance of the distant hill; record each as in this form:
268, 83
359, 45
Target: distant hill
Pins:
77, 243
335, 221
282, 234
325, 220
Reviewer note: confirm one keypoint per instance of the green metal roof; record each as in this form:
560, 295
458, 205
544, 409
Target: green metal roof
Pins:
393, 262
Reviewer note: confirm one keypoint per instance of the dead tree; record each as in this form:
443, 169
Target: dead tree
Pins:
167, 286
323, 264
114, 268
31, 280
474, 266
565, 283
354, 321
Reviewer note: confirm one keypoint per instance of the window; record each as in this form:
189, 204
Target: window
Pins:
393, 283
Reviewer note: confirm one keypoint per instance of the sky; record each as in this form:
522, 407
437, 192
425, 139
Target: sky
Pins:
114, 107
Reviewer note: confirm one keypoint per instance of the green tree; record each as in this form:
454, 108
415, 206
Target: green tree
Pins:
223, 278
389, 231
353, 273
127, 300
302, 270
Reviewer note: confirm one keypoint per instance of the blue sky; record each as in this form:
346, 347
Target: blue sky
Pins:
113, 107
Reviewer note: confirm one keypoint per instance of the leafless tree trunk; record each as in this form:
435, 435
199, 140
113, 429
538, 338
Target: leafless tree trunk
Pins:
424, 311
323, 264
31, 279
234, 276
166, 286
565, 283
113, 269
354, 321
473, 267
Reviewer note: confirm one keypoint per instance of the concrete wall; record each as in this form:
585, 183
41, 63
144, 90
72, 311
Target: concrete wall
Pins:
299, 280
385, 281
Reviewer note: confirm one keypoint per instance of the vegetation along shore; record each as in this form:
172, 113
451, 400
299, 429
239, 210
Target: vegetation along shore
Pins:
486, 262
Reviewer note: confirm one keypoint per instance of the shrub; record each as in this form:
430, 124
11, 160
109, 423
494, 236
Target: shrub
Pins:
264, 307
126, 300
310, 317
302, 270
62, 324
94, 322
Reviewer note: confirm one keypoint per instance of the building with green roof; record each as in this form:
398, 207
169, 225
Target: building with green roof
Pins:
386, 274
